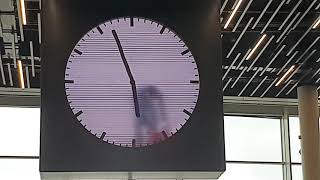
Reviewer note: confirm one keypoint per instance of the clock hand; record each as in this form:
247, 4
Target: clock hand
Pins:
135, 99
132, 81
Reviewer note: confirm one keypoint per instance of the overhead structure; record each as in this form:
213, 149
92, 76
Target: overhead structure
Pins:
267, 36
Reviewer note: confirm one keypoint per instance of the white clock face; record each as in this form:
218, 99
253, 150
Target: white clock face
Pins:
132, 82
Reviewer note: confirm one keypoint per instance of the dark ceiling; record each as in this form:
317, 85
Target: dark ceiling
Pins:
285, 24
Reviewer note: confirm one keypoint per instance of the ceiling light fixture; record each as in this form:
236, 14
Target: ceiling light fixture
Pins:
23, 12
21, 78
256, 46
232, 14
284, 77
316, 24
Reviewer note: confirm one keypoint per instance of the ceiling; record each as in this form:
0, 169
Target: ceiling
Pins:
282, 29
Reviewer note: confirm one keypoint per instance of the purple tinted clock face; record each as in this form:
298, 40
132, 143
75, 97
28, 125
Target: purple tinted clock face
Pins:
132, 82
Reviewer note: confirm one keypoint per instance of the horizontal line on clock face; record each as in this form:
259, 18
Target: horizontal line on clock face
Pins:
107, 105
112, 59
124, 104
127, 92
124, 92
122, 99
155, 48
98, 88
142, 84
113, 93
109, 110
143, 34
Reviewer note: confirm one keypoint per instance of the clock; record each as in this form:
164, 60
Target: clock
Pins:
132, 82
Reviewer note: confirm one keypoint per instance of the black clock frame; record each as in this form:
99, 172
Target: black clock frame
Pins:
129, 19
67, 147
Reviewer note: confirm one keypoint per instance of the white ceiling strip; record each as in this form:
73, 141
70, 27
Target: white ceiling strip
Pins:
242, 15
260, 84
261, 52
274, 58
2, 71
298, 42
244, 57
289, 60
269, 87
283, 88
233, 62
287, 28
27, 76
273, 15
261, 14
10, 74
13, 47
32, 60
248, 83
304, 14
242, 72
239, 38
223, 6
288, 17
225, 86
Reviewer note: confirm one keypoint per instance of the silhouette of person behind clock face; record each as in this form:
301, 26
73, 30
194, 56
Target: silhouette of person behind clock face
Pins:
152, 120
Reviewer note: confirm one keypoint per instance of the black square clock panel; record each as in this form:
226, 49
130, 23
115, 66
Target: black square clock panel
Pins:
131, 86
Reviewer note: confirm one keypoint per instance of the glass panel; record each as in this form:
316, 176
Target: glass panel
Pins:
19, 131
294, 139
17, 169
296, 172
252, 172
252, 139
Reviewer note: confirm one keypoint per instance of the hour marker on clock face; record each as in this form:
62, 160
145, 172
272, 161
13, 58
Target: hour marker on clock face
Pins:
162, 30
185, 52
68, 81
103, 135
100, 30
78, 113
133, 142
131, 21
187, 112
77, 51
194, 82
129, 79
164, 134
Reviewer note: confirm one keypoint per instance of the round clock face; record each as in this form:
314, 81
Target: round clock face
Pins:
132, 82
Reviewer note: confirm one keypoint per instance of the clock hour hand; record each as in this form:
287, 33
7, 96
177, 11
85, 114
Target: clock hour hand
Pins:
132, 81
135, 99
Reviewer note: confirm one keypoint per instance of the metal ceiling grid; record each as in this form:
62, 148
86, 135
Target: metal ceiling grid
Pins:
265, 41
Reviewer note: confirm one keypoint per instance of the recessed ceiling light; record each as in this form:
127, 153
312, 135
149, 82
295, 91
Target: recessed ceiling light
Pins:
23, 12
284, 77
232, 14
21, 78
256, 46
316, 24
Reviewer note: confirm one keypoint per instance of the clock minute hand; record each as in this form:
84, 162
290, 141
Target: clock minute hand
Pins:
132, 81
